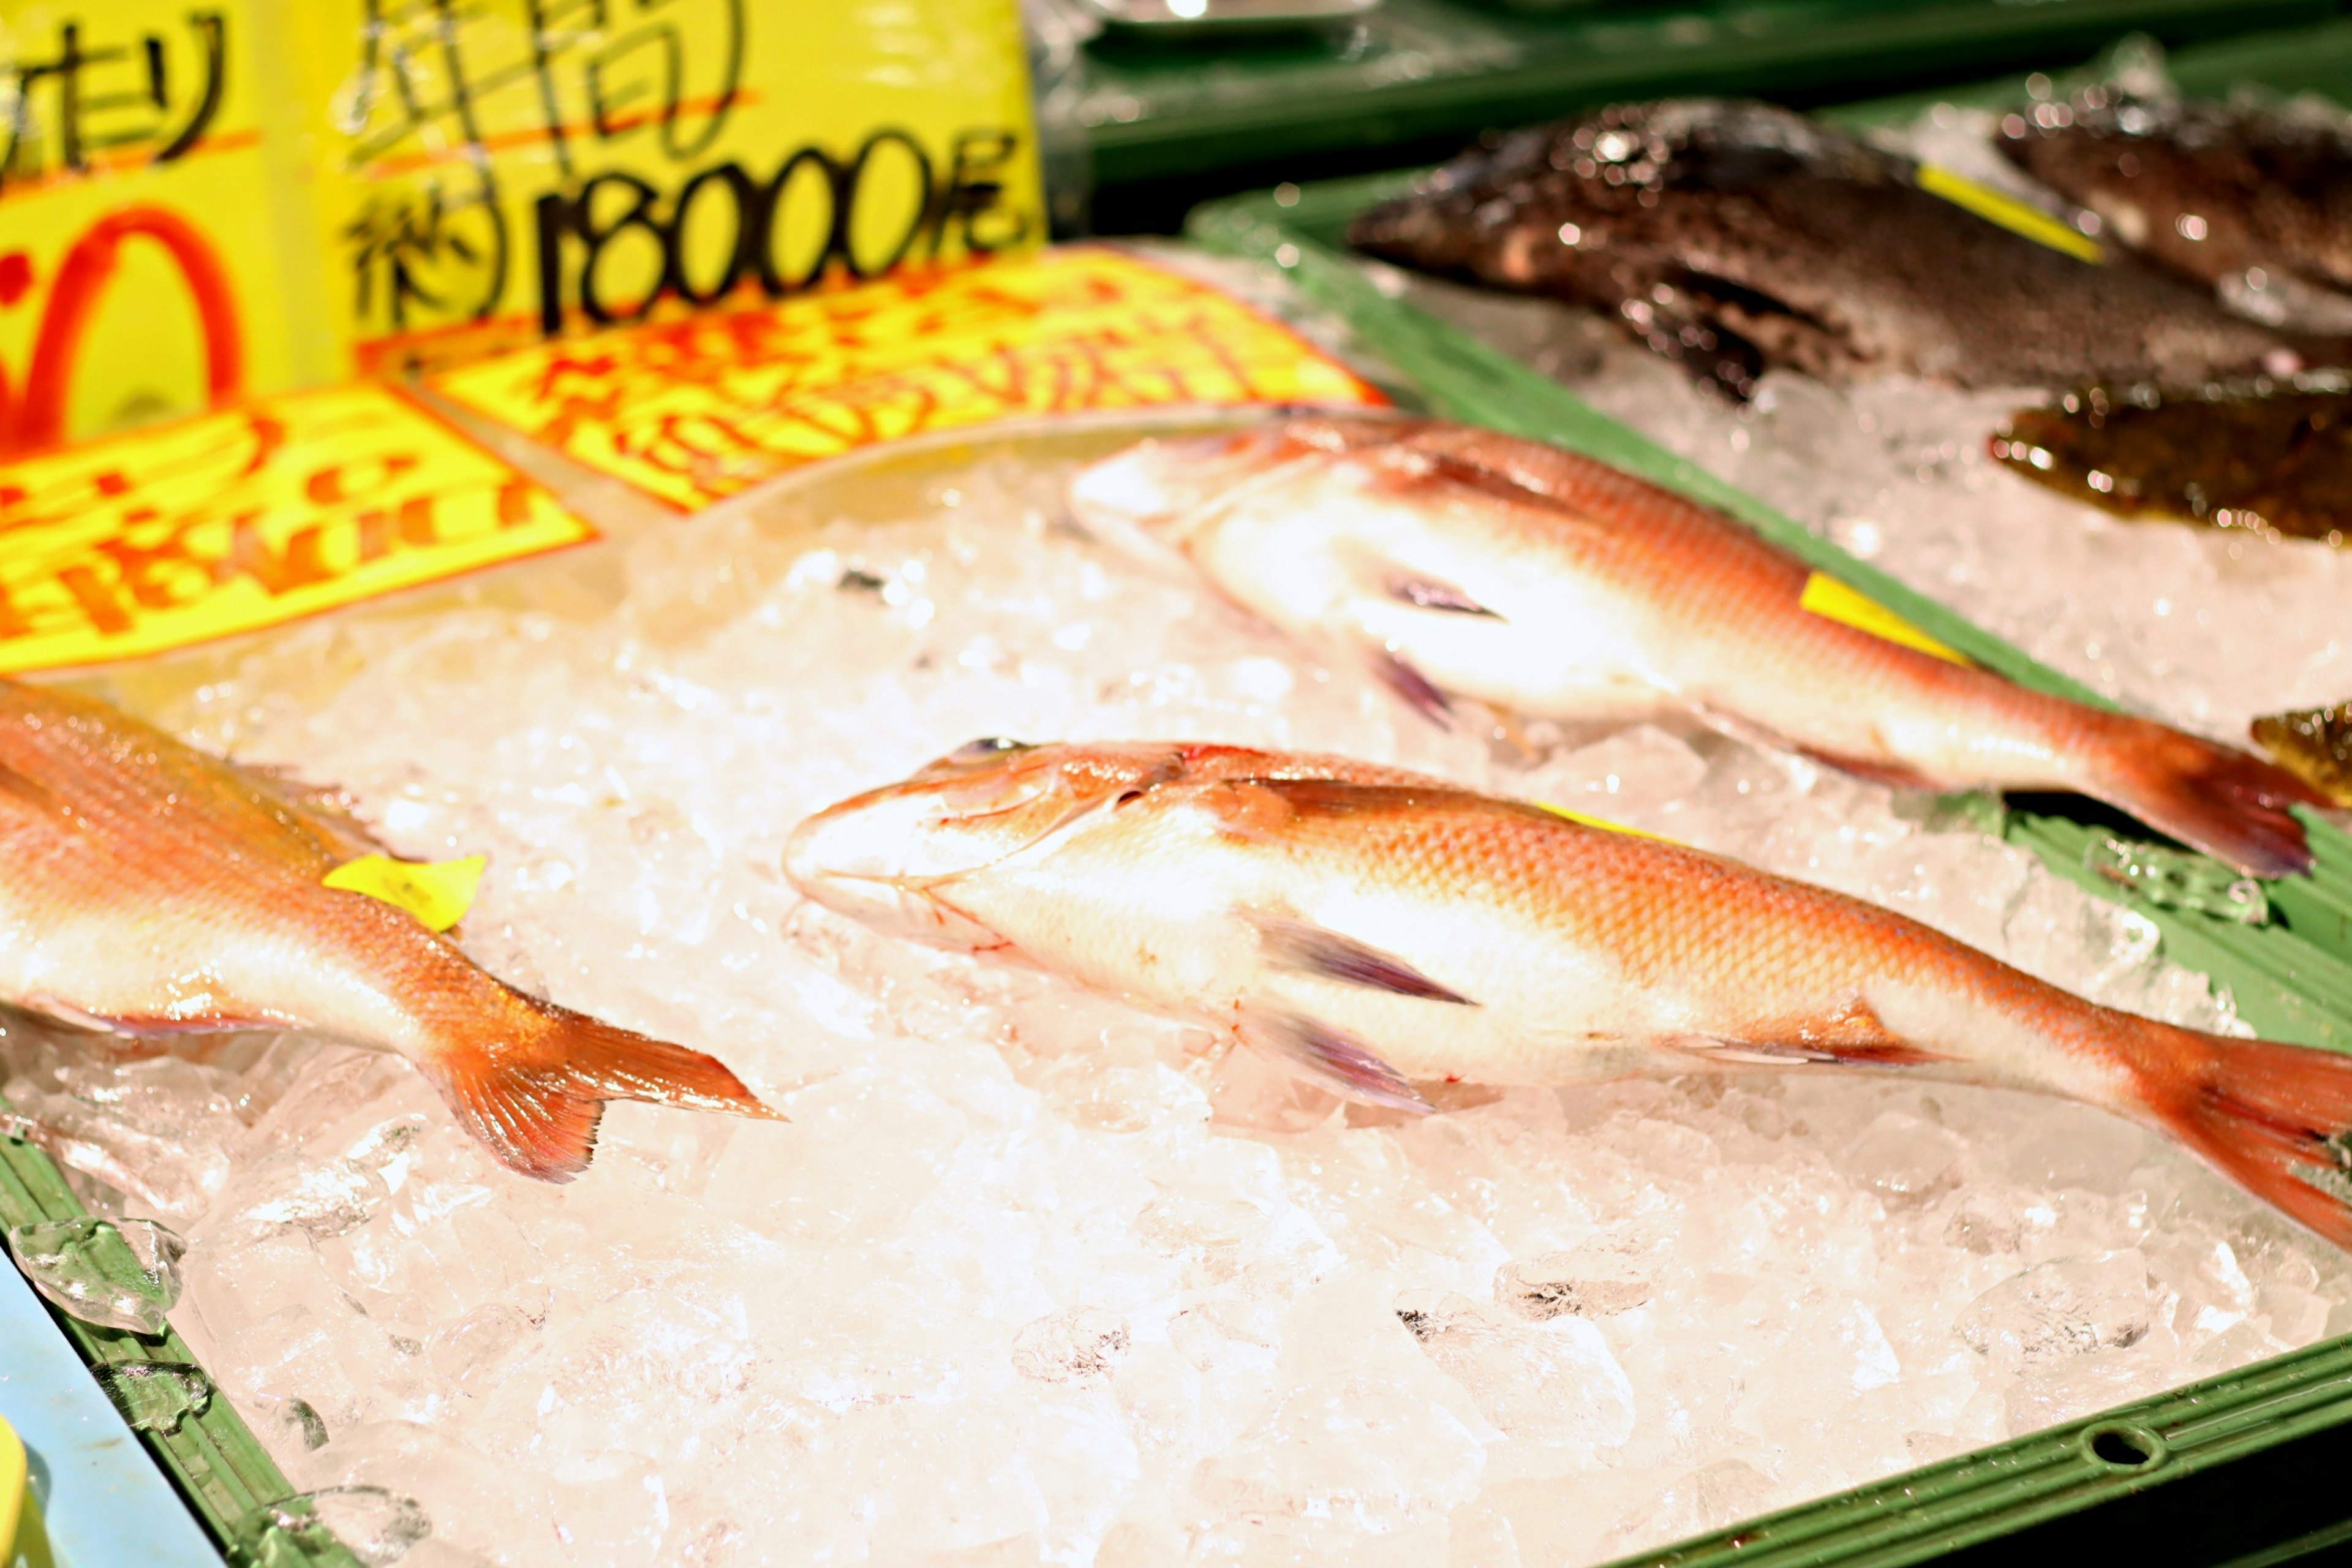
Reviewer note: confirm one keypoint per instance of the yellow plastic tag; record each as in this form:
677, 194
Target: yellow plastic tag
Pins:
695, 410
2017, 216
437, 892
1832, 600
1583, 820
248, 518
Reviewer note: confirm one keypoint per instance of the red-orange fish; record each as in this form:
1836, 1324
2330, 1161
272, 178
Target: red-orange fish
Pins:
1453, 560
1374, 930
146, 886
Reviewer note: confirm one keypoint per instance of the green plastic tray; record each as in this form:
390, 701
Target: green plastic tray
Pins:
2232, 1472
229, 1482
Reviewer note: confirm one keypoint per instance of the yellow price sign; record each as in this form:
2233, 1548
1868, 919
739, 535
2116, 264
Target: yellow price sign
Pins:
697, 409
248, 518
504, 168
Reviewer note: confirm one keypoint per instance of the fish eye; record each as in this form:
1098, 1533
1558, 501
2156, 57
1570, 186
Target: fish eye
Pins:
985, 748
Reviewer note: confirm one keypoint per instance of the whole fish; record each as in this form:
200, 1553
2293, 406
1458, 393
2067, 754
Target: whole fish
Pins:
1374, 930
2260, 458
1732, 236
1453, 560
148, 888
2254, 203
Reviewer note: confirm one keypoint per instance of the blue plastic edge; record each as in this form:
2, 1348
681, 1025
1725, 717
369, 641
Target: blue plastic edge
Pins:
103, 1502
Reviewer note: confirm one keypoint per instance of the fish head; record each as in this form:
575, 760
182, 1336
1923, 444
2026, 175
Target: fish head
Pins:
1148, 500
890, 856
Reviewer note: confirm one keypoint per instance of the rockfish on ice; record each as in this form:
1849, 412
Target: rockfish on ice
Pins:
1373, 929
147, 888
1453, 560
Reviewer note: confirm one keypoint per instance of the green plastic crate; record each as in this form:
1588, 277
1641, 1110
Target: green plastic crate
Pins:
2238, 1470
1423, 72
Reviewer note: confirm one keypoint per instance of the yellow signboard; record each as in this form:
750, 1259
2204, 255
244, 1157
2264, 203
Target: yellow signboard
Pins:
500, 168
201, 199
697, 409
150, 263
248, 518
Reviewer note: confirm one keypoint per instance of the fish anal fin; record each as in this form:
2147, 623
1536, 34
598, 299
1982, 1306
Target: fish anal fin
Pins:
1319, 1051
1894, 775
1850, 1036
1315, 949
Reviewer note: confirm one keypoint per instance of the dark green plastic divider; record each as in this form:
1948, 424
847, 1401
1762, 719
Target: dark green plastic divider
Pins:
2238, 1471
230, 1482
2292, 979
1422, 70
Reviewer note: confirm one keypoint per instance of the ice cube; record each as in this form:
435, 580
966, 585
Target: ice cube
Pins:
118, 1274
156, 1396
1079, 1345
2068, 1307
1598, 1279
1554, 1382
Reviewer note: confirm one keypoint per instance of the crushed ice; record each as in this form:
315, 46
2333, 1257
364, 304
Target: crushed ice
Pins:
1030, 1277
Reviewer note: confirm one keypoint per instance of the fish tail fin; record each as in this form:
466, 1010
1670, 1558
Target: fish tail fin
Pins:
535, 1099
2212, 797
2276, 1119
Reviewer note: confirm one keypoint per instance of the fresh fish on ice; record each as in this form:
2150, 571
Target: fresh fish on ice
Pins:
2263, 458
2254, 202
148, 888
1375, 930
1458, 563
1733, 236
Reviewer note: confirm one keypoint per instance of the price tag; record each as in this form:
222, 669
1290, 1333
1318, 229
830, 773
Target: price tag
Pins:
437, 892
2017, 216
1832, 600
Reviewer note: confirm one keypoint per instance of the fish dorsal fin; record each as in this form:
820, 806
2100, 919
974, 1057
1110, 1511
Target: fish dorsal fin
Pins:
1310, 949
1317, 1050
324, 810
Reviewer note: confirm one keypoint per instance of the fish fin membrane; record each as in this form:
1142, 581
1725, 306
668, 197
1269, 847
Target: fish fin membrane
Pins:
536, 1103
1317, 1050
1314, 950
1418, 692
2231, 805
2276, 1119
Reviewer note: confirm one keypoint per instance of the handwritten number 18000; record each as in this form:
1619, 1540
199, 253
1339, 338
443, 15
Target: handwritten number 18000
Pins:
872, 210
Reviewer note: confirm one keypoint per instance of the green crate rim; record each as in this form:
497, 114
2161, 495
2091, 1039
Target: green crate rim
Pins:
2283, 1426
229, 1480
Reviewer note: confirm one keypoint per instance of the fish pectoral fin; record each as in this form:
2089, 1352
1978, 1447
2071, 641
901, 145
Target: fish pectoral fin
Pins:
1319, 1051
1314, 950
1424, 592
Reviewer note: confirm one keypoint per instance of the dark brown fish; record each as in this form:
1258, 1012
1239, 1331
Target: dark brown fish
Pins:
2253, 202
1732, 236
2254, 456
2315, 743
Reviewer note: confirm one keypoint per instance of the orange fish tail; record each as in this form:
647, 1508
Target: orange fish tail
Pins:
535, 1096
2212, 798
2277, 1118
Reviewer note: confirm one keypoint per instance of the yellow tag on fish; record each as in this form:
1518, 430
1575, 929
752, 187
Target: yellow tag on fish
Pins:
1602, 823
437, 892
2017, 216
1832, 600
